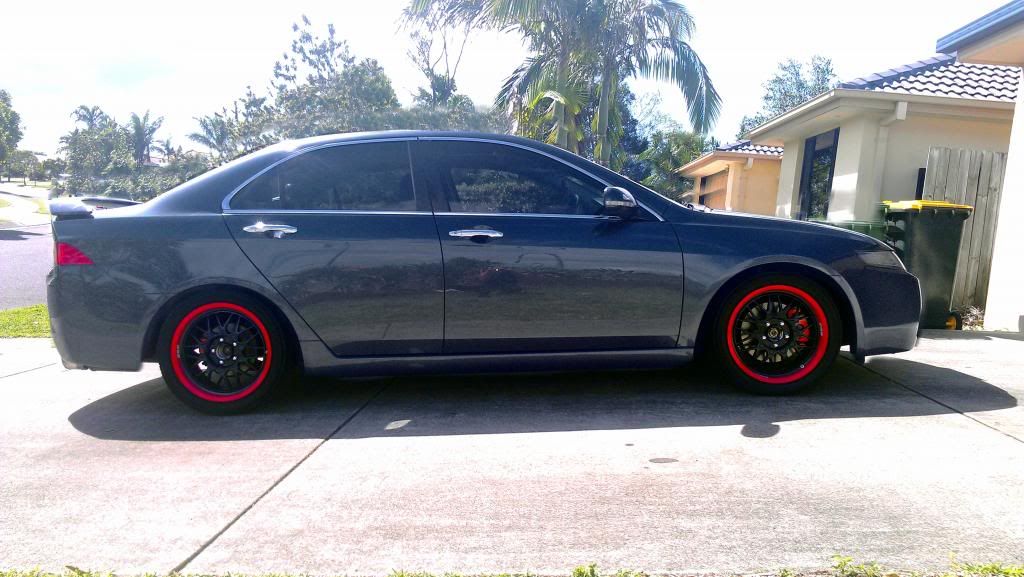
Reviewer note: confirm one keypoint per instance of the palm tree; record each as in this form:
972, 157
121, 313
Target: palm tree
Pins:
215, 134
650, 38
142, 132
90, 116
166, 147
584, 47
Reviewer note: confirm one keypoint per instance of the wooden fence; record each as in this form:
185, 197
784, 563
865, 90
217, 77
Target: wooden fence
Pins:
973, 177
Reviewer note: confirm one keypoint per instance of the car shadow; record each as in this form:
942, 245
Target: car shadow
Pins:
529, 403
22, 233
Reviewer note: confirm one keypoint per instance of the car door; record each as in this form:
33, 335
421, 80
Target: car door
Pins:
341, 233
531, 265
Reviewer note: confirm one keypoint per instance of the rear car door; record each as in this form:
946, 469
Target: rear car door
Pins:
341, 233
547, 272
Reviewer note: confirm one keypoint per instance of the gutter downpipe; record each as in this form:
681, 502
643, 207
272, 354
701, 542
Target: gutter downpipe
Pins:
882, 144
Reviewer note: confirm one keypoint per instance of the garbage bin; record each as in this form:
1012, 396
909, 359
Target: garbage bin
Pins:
926, 236
874, 229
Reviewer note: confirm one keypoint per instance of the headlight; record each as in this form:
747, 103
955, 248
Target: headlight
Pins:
882, 259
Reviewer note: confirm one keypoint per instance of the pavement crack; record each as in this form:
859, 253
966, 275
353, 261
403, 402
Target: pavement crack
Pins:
936, 401
27, 370
181, 566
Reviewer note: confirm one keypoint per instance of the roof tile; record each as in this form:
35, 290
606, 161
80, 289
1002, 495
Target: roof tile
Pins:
942, 75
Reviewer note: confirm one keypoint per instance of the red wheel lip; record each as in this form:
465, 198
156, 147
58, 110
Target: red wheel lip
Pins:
187, 382
819, 353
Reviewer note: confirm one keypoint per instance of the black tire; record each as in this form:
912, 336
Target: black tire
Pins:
798, 342
222, 375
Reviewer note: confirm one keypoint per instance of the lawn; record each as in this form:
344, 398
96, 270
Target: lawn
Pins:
4, 203
31, 321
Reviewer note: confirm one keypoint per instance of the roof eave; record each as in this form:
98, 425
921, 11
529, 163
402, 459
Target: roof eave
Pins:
722, 156
836, 97
989, 24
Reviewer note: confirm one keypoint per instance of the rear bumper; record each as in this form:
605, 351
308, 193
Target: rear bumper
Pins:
890, 311
94, 325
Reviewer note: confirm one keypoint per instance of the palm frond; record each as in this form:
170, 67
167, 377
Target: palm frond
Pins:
677, 62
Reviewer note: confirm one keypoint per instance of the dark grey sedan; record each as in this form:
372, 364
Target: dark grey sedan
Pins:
421, 251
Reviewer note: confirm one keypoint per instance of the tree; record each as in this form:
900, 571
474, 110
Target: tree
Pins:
102, 157
166, 148
651, 39
792, 84
440, 89
215, 133
582, 49
10, 126
143, 130
90, 116
320, 88
22, 164
668, 152
96, 155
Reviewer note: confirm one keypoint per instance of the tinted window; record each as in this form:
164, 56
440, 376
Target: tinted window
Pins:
351, 177
493, 178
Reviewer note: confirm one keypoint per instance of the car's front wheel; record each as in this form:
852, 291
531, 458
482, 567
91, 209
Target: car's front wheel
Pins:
777, 334
222, 355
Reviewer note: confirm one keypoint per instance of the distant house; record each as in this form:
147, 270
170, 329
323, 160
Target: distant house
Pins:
868, 139
740, 176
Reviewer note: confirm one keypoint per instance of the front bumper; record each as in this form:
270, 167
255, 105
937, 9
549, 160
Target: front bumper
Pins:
889, 303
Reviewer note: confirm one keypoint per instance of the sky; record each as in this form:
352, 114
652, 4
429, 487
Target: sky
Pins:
187, 58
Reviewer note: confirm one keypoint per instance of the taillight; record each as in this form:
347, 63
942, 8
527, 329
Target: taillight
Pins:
68, 255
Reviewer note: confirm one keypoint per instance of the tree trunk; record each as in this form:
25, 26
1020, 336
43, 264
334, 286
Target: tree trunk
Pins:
602, 148
561, 86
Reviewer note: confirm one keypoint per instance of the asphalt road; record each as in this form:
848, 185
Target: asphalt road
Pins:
903, 461
26, 255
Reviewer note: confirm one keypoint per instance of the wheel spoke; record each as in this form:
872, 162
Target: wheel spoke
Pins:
776, 333
223, 351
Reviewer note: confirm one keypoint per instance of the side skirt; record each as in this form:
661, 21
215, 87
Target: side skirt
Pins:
318, 360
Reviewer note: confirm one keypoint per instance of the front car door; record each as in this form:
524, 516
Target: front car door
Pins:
341, 233
547, 272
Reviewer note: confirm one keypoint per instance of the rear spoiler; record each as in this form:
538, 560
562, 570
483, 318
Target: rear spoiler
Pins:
82, 206
69, 208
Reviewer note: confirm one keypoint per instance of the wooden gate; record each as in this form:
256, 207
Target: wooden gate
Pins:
973, 177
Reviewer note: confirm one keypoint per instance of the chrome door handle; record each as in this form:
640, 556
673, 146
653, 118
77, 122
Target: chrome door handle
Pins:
475, 232
274, 230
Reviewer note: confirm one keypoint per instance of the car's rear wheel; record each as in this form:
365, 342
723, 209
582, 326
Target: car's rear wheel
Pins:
777, 334
222, 355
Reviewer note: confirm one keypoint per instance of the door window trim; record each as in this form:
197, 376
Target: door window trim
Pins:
226, 203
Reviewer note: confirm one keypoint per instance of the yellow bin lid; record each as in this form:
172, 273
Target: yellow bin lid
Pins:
923, 204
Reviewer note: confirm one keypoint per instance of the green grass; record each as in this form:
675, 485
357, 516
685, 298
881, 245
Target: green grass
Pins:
4, 203
31, 321
42, 205
843, 567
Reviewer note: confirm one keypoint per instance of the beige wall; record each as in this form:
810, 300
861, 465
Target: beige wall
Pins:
743, 187
756, 186
877, 162
909, 142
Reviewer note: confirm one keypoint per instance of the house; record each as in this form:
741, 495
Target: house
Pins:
997, 38
868, 139
740, 176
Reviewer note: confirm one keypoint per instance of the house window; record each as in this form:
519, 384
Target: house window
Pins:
816, 175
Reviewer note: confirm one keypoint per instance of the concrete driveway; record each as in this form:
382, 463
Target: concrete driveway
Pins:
903, 461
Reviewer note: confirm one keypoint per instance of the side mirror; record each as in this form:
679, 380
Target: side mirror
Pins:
619, 202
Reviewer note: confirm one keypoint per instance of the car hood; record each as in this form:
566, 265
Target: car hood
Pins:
759, 222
